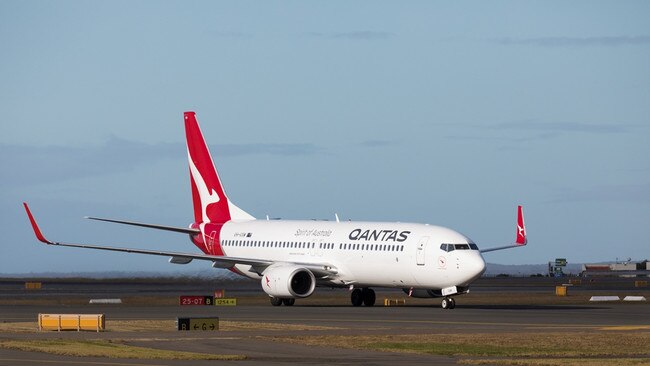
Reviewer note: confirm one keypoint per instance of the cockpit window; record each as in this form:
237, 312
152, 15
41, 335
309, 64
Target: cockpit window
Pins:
452, 247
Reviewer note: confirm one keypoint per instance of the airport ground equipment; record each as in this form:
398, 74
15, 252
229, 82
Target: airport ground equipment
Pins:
560, 291
198, 323
33, 285
78, 322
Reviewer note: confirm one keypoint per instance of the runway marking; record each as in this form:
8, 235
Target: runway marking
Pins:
22, 360
276, 320
627, 327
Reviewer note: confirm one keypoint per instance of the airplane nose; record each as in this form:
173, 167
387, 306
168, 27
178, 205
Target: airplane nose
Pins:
480, 265
475, 267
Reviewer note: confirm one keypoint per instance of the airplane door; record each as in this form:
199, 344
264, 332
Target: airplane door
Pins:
421, 250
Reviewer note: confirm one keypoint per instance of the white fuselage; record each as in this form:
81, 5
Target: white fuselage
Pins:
379, 254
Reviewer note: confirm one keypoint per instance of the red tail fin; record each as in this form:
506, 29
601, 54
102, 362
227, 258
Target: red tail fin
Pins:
210, 201
521, 227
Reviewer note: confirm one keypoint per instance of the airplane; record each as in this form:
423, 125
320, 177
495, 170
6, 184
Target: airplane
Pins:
291, 258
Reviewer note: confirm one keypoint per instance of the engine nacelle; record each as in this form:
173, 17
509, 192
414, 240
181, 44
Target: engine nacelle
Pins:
288, 281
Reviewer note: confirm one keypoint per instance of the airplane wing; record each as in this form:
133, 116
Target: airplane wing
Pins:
179, 257
521, 240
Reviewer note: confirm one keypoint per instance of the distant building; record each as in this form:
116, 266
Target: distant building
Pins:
625, 269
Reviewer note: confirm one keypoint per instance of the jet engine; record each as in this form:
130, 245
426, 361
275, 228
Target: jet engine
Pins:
287, 281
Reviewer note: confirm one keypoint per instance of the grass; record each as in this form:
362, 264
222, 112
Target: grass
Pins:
108, 349
560, 362
555, 344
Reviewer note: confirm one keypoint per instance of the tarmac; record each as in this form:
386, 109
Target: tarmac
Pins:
336, 318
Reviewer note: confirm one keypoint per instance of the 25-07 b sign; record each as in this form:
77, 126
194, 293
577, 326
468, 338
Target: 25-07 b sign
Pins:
196, 300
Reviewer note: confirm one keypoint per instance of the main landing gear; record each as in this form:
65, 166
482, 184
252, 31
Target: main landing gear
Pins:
448, 303
365, 296
276, 301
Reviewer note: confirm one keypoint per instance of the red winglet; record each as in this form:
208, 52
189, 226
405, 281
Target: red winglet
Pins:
37, 230
521, 227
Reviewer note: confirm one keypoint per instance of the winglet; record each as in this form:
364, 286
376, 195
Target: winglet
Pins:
37, 230
521, 227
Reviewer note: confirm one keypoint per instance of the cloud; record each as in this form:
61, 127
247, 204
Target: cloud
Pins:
555, 127
355, 35
531, 130
636, 193
27, 165
270, 149
231, 34
377, 143
575, 41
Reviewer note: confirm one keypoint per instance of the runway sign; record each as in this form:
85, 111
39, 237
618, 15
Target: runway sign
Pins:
197, 323
33, 285
640, 283
225, 302
78, 322
196, 300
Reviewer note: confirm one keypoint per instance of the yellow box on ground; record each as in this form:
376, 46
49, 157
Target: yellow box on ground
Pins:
391, 302
225, 302
560, 290
640, 283
33, 285
78, 322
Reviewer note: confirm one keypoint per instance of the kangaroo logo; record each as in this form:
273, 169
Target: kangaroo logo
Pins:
208, 196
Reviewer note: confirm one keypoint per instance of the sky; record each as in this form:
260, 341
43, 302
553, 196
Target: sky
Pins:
448, 113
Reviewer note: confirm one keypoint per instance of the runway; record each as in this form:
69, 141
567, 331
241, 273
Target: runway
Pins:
334, 318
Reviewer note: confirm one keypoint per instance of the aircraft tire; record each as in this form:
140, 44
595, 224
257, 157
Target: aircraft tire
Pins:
357, 297
276, 301
369, 296
445, 303
452, 303
289, 301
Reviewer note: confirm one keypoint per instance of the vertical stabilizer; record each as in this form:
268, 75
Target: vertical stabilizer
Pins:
211, 205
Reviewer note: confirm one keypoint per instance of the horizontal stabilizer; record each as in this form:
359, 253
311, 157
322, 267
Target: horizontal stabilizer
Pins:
150, 226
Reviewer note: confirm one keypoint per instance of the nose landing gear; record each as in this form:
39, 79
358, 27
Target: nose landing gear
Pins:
448, 303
